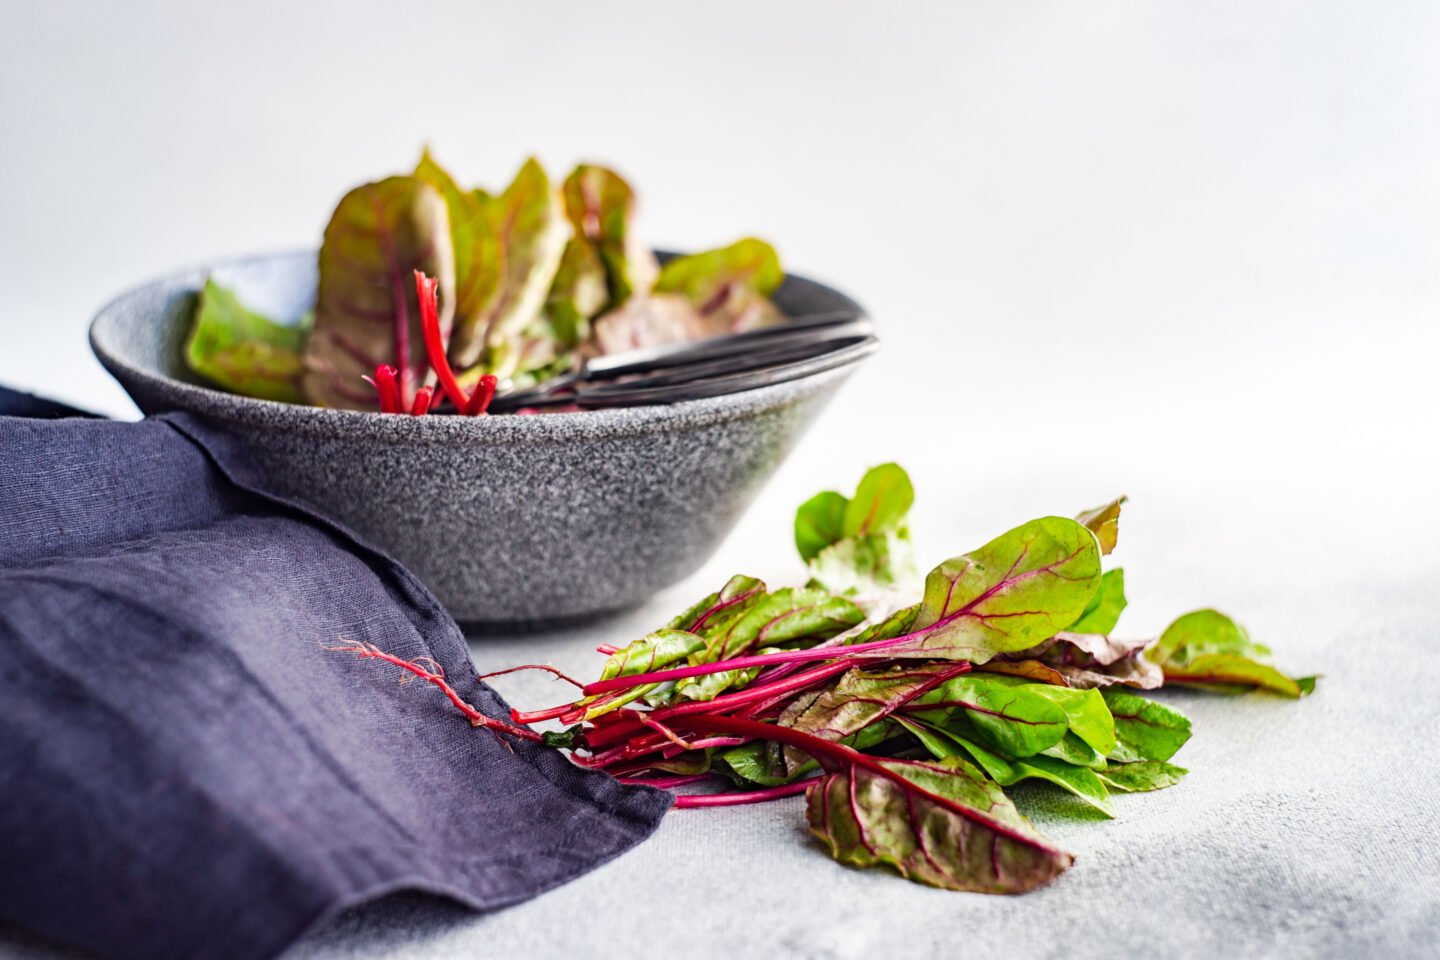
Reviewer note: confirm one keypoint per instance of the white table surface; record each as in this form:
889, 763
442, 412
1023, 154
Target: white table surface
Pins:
1183, 251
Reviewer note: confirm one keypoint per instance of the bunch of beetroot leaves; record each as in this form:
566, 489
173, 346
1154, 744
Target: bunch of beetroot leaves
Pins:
902, 724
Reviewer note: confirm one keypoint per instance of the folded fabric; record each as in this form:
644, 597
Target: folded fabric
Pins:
186, 770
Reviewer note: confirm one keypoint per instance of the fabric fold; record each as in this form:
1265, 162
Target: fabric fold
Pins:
187, 770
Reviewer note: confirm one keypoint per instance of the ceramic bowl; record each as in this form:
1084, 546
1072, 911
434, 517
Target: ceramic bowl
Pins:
508, 519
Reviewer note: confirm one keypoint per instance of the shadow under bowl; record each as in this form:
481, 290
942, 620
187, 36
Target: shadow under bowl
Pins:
507, 519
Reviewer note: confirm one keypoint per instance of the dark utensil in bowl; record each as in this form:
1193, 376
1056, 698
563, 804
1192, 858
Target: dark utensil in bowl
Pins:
508, 519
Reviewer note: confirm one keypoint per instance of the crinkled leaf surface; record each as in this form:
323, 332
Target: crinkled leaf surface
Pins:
242, 351
1104, 522
1019, 589
1081, 781
1144, 729
367, 311
943, 824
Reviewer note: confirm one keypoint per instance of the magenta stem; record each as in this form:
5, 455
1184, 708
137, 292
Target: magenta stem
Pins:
748, 796
668, 783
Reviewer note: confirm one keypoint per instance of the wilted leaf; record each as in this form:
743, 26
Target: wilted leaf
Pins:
1104, 522
243, 351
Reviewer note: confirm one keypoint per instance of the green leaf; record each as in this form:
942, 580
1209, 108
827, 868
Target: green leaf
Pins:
578, 293
1141, 776
479, 260
366, 303
1207, 648
1103, 611
881, 501
1086, 711
1104, 522
1019, 589
649, 653
1081, 781
242, 351
818, 523
1073, 750
600, 205
532, 231
727, 287
944, 824
1015, 718
1144, 729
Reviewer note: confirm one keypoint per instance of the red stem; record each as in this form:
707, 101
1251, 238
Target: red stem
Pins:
429, 291
668, 783
388, 389
748, 796
533, 666
479, 401
476, 718
722, 704
422, 402
742, 663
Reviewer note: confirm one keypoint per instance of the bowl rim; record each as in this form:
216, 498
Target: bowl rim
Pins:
372, 425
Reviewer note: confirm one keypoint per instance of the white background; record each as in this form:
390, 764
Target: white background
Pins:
1184, 251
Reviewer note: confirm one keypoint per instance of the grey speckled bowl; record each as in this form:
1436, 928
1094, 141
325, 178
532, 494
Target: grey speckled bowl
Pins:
508, 519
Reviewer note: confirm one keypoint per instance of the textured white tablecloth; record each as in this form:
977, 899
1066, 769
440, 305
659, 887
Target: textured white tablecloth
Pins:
1185, 252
